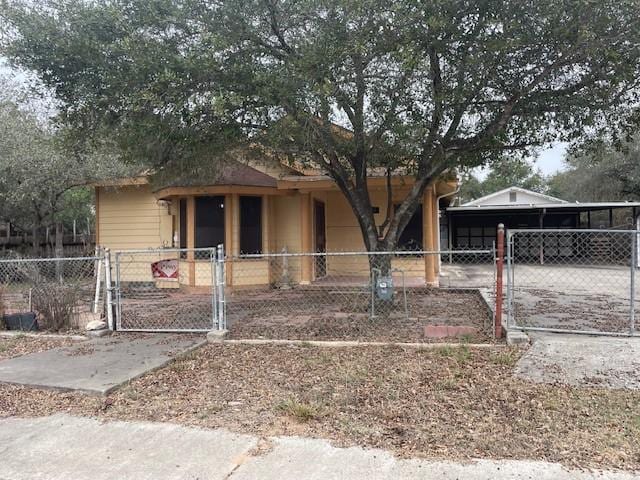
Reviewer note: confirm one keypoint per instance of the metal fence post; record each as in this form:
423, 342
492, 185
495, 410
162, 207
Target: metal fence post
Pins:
499, 268
108, 287
510, 279
632, 293
215, 321
220, 274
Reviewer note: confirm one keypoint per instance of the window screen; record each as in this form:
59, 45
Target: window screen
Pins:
250, 225
209, 221
411, 237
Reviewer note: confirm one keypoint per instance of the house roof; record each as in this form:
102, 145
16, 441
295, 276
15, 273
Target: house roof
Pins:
229, 173
486, 200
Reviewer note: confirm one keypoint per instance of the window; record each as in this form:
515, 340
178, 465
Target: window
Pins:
474, 237
411, 237
183, 223
250, 225
513, 197
209, 221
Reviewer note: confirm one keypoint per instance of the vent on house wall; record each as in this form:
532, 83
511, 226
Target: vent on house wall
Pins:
513, 196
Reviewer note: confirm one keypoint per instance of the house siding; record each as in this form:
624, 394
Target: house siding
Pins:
130, 218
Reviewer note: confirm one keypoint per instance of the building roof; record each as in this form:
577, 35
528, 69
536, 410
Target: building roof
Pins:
229, 173
491, 199
577, 206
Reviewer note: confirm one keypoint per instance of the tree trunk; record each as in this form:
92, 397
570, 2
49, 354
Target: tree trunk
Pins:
59, 249
35, 240
59, 240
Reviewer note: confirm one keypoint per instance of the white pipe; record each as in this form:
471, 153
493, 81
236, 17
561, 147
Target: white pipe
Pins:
438, 219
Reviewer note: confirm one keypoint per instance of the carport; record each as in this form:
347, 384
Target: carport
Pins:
474, 226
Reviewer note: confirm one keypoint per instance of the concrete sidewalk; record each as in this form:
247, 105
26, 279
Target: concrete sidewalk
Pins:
96, 366
64, 447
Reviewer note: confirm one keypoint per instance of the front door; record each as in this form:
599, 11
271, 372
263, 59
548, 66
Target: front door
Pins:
320, 239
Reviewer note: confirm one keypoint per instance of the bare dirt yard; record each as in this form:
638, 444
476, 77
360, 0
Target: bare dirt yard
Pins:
453, 402
15, 346
317, 315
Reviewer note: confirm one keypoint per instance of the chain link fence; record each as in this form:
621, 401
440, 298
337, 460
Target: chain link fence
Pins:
51, 293
322, 293
580, 281
166, 290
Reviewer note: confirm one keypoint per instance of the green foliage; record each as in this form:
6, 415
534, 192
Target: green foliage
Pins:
42, 176
607, 171
350, 87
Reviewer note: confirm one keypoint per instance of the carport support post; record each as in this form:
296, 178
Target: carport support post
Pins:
499, 269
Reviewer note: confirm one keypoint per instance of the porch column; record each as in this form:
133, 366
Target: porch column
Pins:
235, 224
228, 236
435, 231
428, 222
306, 267
191, 238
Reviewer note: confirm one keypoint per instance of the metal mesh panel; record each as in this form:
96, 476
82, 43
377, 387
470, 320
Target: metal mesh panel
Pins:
165, 290
574, 280
346, 286
60, 291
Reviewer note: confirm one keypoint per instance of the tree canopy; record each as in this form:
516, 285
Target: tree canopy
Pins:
606, 172
42, 180
354, 87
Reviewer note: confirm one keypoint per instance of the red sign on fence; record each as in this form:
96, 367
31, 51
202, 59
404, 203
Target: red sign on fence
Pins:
165, 270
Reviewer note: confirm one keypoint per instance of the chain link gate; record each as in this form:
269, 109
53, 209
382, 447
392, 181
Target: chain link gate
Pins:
169, 290
574, 281
52, 293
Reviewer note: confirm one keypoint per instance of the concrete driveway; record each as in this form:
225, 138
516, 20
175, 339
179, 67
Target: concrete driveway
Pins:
97, 366
571, 297
582, 360
64, 447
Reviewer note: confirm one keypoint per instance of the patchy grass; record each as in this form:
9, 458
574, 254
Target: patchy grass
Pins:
21, 344
508, 357
461, 354
455, 403
298, 410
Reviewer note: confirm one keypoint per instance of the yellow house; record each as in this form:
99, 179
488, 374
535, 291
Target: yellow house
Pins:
258, 209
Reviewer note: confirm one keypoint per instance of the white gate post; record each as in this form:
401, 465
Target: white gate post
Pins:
108, 287
215, 316
510, 280
101, 258
220, 277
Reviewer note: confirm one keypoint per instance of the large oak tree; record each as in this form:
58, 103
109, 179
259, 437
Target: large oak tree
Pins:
354, 87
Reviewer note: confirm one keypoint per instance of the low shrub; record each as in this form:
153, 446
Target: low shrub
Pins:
55, 304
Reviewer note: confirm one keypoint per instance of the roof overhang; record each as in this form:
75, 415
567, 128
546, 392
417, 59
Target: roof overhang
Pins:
169, 192
121, 182
324, 182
